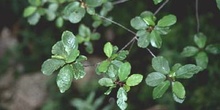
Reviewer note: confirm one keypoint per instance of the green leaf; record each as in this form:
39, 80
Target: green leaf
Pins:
202, 60
72, 56
161, 65
189, 51
50, 65
29, 11
34, 19
109, 90
155, 39
143, 38
84, 31
58, 50
176, 67
155, 78
122, 55
81, 58
74, 12
179, 100
157, 1
162, 30
65, 78
35, 2
178, 89
200, 40
138, 23
89, 47
93, 3
106, 82
90, 11
95, 36
59, 22
78, 70
108, 49
187, 71
122, 97
69, 41
218, 4
148, 18
160, 89
134, 79
213, 48
167, 21
124, 70
103, 66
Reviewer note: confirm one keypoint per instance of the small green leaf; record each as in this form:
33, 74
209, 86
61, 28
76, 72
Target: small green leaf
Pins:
189, 51
143, 38
148, 18
74, 12
179, 100
108, 49
111, 71
202, 60
126, 88
34, 19
50, 65
157, 1
218, 4
122, 55
161, 65
84, 31
69, 41
72, 56
200, 40
109, 90
58, 49
106, 82
138, 23
95, 36
90, 11
89, 47
35, 2
103, 66
81, 58
155, 39
78, 70
160, 89
178, 89
134, 79
59, 22
168, 20
176, 67
124, 70
213, 48
187, 71
65, 78
155, 78
29, 11
122, 97
93, 3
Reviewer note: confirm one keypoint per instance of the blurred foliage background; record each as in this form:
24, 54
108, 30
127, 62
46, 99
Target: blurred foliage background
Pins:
25, 47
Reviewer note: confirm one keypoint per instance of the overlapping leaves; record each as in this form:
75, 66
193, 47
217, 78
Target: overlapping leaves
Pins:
67, 58
200, 52
164, 77
149, 32
117, 73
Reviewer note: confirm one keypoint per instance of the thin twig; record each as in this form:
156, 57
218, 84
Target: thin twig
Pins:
119, 1
161, 6
134, 38
117, 24
151, 52
197, 17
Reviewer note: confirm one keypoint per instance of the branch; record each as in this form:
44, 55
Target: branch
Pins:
161, 6
119, 1
197, 16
